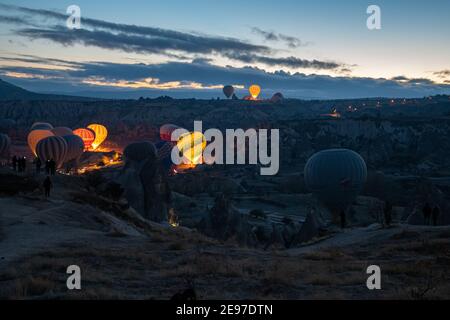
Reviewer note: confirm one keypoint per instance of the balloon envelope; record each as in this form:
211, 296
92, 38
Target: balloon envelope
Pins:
165, 132
35, 136
5, 145
101, 133
41, 126
254, 90
228, 91
52, 148
61, 131
87, 135
75, 147
336, 176
191, 145
277, 97
140, 151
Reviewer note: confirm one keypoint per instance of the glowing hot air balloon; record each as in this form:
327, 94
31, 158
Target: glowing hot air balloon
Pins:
254, 90
5, 144
191, 145
52, 148
88, 136
62, 131
228, 91
165, 132
100, 134
37, 135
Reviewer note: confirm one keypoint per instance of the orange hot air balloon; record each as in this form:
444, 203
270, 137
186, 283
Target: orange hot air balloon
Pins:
35, 136
254, 90
100, 134
88, 136
165, 132
191, 146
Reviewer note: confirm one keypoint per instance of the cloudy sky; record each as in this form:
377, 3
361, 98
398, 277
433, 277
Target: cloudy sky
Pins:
305, 49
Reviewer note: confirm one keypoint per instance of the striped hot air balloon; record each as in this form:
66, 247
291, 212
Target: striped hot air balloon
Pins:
75, 147
101, 133
52, 148
191, 145
87, 135
5, 145
37, 135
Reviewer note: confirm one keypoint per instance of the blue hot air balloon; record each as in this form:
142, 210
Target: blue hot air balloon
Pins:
336, 177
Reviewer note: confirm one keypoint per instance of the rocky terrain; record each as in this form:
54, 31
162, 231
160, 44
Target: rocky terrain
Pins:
238, 235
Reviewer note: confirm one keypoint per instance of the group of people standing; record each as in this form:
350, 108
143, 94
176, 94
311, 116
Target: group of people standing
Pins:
19, 164
431, 215
50, 166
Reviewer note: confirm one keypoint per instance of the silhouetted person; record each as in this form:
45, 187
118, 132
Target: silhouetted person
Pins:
427, 213
343, 219
436, 213
14, 163
47, 186
38, 164
52, 167
388, 213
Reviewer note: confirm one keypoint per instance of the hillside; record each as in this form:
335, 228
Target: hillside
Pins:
9, 91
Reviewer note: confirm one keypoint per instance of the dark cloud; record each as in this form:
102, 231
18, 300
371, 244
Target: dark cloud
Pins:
442, 73
291, 42
140, 39
291, 84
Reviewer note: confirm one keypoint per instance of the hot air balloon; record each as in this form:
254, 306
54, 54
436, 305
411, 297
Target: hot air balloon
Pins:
52, 148
228, 91
100, 134
88, 136
37, 135
254, 90
191, 145
277, 97
165, 132
75, 147
5, 145
336, 177
140, 151
41, 126
62, 131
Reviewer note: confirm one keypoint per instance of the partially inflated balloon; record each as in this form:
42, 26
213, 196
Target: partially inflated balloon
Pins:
101, 133
62, 131
35, 136
228, 91
52, 148
5, 145
191, 145
87, 135
254, 90
75, 147
165, 132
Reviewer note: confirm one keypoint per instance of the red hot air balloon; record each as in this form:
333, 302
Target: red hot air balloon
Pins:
87, 135
165, 132
52, 148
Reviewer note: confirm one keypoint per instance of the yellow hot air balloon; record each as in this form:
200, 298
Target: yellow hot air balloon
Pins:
191, 146
35, 136
100, 134
254, 90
